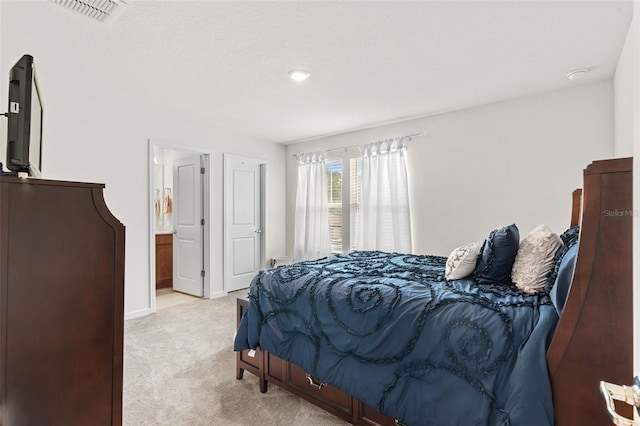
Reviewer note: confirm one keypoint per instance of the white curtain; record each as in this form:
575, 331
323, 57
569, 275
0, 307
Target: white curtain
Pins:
311, 239
385, 223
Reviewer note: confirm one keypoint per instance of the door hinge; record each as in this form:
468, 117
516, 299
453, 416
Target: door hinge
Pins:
201, 221
201, 170
202, 274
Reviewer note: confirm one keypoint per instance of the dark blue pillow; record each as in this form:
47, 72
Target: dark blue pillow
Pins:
497, 255
569, 238
562, 285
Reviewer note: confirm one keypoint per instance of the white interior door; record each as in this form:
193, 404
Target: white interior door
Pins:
188, 226
242, 221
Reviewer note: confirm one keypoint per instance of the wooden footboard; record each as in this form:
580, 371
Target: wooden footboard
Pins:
271, 369
594, 337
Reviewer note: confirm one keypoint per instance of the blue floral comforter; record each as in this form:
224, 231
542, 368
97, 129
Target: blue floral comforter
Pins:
389, 329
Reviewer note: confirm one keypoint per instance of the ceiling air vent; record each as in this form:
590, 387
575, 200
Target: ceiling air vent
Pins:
99, 10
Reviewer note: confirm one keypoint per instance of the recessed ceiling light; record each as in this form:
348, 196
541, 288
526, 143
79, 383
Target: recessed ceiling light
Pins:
577, 74
298, 75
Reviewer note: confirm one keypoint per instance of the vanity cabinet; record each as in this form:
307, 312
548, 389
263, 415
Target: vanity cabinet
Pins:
164, 261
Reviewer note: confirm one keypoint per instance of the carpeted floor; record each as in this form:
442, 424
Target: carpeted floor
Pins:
179, 369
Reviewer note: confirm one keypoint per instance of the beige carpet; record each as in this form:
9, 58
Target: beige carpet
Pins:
179, 369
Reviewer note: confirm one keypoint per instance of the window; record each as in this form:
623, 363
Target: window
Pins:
344, 180
334, 197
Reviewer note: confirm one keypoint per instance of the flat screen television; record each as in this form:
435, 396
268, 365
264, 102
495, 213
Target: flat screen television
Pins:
24, 126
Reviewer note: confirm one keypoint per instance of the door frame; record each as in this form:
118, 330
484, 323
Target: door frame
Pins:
263, 223
206, 155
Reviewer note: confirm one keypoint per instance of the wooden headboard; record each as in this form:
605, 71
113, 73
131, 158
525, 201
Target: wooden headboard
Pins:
594, 337
576, 207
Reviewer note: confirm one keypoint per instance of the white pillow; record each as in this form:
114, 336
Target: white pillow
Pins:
462, 261
535, 259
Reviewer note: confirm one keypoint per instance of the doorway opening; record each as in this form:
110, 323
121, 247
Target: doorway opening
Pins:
179, 224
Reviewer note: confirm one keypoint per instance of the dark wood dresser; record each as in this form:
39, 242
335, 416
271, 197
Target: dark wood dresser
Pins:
61, 304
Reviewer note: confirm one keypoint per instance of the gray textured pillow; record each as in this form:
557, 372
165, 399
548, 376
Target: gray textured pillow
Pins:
535, 259
462, 261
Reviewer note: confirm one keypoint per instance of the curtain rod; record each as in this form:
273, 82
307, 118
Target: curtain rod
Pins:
345, 148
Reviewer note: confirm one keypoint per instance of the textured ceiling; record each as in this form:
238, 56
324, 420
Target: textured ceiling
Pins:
370, 62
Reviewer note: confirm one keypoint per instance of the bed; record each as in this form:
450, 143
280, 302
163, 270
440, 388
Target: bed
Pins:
386, 338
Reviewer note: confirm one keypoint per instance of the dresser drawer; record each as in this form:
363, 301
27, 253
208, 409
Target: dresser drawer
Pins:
369, 416
322, 393
275, 369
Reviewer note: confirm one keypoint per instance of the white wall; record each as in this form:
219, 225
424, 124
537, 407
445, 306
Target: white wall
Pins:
96, 132
627, 130
475, 169
490, 166
627, 89
624, 81
635, 31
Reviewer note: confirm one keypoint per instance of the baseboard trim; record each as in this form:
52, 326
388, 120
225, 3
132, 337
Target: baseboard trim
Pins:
137, 314
218, 294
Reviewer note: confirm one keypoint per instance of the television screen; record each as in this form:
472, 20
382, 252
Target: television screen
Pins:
24, 127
